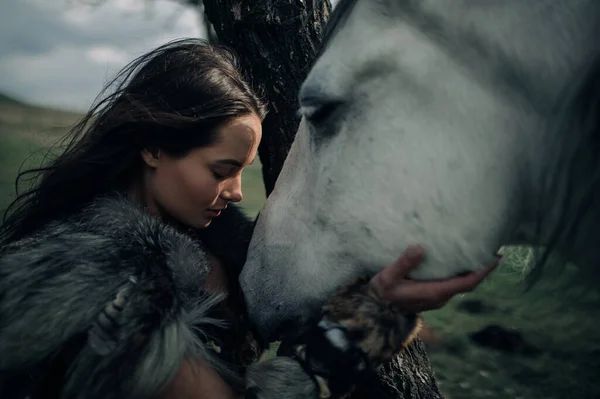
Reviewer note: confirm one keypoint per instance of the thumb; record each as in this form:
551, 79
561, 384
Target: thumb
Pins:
390, 276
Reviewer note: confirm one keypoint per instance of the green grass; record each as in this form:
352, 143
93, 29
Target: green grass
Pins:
10, 101
15, 151
25, 132
253, 189
562, 326
557, 320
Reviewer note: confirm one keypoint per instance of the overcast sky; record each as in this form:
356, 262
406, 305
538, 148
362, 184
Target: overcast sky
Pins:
61, 52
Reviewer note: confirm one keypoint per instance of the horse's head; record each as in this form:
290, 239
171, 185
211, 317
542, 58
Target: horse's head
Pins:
428, 121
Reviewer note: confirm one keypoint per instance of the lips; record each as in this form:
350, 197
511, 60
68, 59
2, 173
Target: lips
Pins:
215, 212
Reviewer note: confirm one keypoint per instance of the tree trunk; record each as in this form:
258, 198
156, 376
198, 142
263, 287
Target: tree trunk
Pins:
407, 376
210, 33
277, 42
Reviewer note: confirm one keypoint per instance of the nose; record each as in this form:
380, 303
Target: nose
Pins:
232, 192
277, 306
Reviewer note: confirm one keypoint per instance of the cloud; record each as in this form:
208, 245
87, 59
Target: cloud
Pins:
106, 54
60, 53
25, 30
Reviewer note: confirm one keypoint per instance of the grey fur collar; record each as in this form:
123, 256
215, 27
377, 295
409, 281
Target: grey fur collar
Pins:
121, 279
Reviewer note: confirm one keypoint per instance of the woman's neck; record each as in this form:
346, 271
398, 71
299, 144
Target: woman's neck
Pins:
139, 194
216, 281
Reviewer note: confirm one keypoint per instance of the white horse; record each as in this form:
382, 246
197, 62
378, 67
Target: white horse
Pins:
461, 125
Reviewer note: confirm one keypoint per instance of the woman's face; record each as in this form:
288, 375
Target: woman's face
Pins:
194, 189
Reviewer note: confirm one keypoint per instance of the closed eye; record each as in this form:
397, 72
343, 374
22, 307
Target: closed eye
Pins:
218, 176
223, 174
318, 112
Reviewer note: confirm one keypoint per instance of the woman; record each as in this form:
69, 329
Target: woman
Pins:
113, 265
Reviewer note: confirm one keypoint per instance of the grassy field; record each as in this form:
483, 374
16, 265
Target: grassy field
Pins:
562, 323
24, 131
563, 327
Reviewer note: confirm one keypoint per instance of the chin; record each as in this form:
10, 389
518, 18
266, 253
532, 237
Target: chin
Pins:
199, 223
204, 224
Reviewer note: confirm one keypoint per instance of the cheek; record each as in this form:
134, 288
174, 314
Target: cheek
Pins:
181, 186
203, 186
197, 183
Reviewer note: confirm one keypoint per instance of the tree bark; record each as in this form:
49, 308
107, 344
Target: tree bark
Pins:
408, 376
277, 42
211, 35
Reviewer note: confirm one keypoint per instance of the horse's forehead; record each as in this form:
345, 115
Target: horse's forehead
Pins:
532, 48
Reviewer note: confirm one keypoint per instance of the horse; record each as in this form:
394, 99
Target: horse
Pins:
463, 126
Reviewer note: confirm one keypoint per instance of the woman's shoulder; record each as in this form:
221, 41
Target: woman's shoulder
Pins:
113, 227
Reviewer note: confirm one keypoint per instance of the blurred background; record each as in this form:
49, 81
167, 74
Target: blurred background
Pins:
500, 341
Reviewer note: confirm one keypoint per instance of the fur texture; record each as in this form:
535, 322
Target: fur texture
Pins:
107, 304
380, 329
357, 334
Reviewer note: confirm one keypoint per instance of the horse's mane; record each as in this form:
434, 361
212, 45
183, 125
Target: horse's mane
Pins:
576, 117
338, 17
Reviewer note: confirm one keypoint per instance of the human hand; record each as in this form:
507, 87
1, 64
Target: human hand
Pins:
391, 284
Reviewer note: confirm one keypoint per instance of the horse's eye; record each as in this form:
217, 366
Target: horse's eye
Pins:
317, 104
319, 113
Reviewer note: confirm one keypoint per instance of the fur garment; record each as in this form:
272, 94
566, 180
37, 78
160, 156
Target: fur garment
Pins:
109, 303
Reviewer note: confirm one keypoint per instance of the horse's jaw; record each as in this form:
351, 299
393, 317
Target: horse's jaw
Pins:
311, 238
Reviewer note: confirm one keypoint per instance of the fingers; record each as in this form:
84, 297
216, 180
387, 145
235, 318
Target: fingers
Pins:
389, 277
429, 295
416, 296
456, 285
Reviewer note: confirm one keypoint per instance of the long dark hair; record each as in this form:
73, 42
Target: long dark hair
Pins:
171, 99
